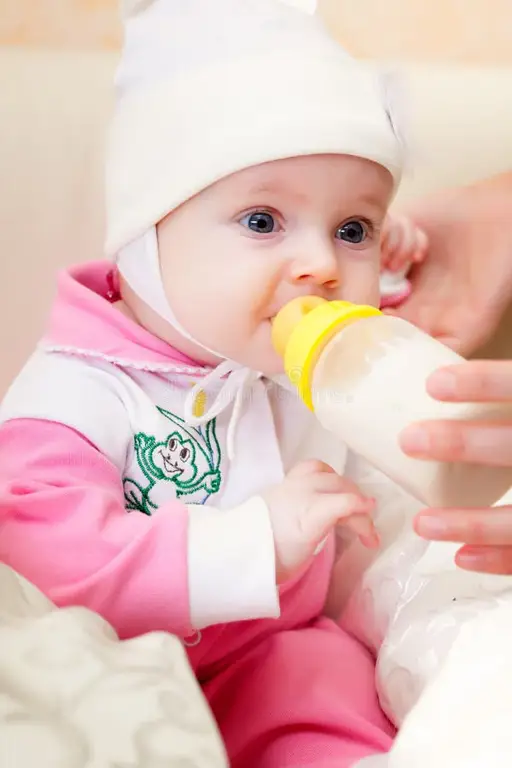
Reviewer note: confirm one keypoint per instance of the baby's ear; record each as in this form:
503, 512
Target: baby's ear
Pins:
132, 7
307, 6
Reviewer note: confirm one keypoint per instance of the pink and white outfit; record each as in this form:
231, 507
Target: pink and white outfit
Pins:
114, 493
109, 499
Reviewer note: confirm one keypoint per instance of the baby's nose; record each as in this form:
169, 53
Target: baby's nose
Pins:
317, 265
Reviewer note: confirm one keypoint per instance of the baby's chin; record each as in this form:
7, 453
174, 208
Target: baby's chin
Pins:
266, 361
256, 352
259, 355
272, 363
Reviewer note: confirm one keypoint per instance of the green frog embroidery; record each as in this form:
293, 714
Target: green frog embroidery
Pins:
188, 457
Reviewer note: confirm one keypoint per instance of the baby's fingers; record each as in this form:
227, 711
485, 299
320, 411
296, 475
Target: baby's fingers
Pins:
403, 244
420, 249
349, 509
363, 526
332, 483
395, 244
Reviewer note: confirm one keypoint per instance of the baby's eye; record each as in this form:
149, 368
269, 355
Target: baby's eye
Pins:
354, 232
261, 222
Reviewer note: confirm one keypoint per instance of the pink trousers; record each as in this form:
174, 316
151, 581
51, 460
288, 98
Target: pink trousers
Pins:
303, 697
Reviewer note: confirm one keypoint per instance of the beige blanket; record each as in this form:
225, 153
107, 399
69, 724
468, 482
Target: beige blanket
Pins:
73, 696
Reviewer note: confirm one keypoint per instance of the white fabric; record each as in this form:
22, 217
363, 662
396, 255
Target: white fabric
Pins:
206, 89
410, 603
223, 546
435, 603
308, 6
239, 382
139, 264
462, 719
63, 386
374, 761
130, 7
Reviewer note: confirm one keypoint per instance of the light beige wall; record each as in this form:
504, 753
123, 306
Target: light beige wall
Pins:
60, 23
476, 31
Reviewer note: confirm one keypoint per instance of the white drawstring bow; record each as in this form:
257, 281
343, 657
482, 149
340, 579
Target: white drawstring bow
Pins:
238, 382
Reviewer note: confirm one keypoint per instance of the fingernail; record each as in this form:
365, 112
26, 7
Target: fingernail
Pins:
430, 526
471, 559
371, 540
415, 440
364, 505
471, 553
442, 384
356, 505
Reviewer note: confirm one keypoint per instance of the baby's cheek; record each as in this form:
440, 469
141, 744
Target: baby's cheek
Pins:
360, 282
232, 323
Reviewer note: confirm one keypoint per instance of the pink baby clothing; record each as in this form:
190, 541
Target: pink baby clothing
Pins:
110, 499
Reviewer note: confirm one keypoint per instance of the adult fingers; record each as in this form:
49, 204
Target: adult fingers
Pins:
488, 443
473, 381
496, 560
478, 527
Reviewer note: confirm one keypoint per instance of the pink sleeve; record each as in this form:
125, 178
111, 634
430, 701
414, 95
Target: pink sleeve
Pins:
63, 525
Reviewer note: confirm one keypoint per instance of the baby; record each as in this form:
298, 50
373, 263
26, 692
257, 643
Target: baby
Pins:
154, 466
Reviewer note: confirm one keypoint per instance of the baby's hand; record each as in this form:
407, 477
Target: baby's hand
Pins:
305, 507
402, 245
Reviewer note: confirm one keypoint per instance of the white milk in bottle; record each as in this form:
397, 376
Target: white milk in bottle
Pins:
364, 376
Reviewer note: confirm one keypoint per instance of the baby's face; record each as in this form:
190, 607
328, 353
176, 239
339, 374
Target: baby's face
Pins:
236, 253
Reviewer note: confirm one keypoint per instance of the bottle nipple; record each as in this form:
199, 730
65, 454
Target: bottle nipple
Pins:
301, 330
289, 317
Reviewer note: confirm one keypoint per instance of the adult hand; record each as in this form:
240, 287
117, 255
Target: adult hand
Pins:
486, 533
460, 291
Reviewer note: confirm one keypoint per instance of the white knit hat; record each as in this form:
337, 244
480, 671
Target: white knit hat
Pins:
209, 87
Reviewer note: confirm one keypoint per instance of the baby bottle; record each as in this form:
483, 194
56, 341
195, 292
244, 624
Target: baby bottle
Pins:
364, 375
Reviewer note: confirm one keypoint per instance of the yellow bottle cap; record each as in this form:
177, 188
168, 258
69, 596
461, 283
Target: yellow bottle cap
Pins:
301, 330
